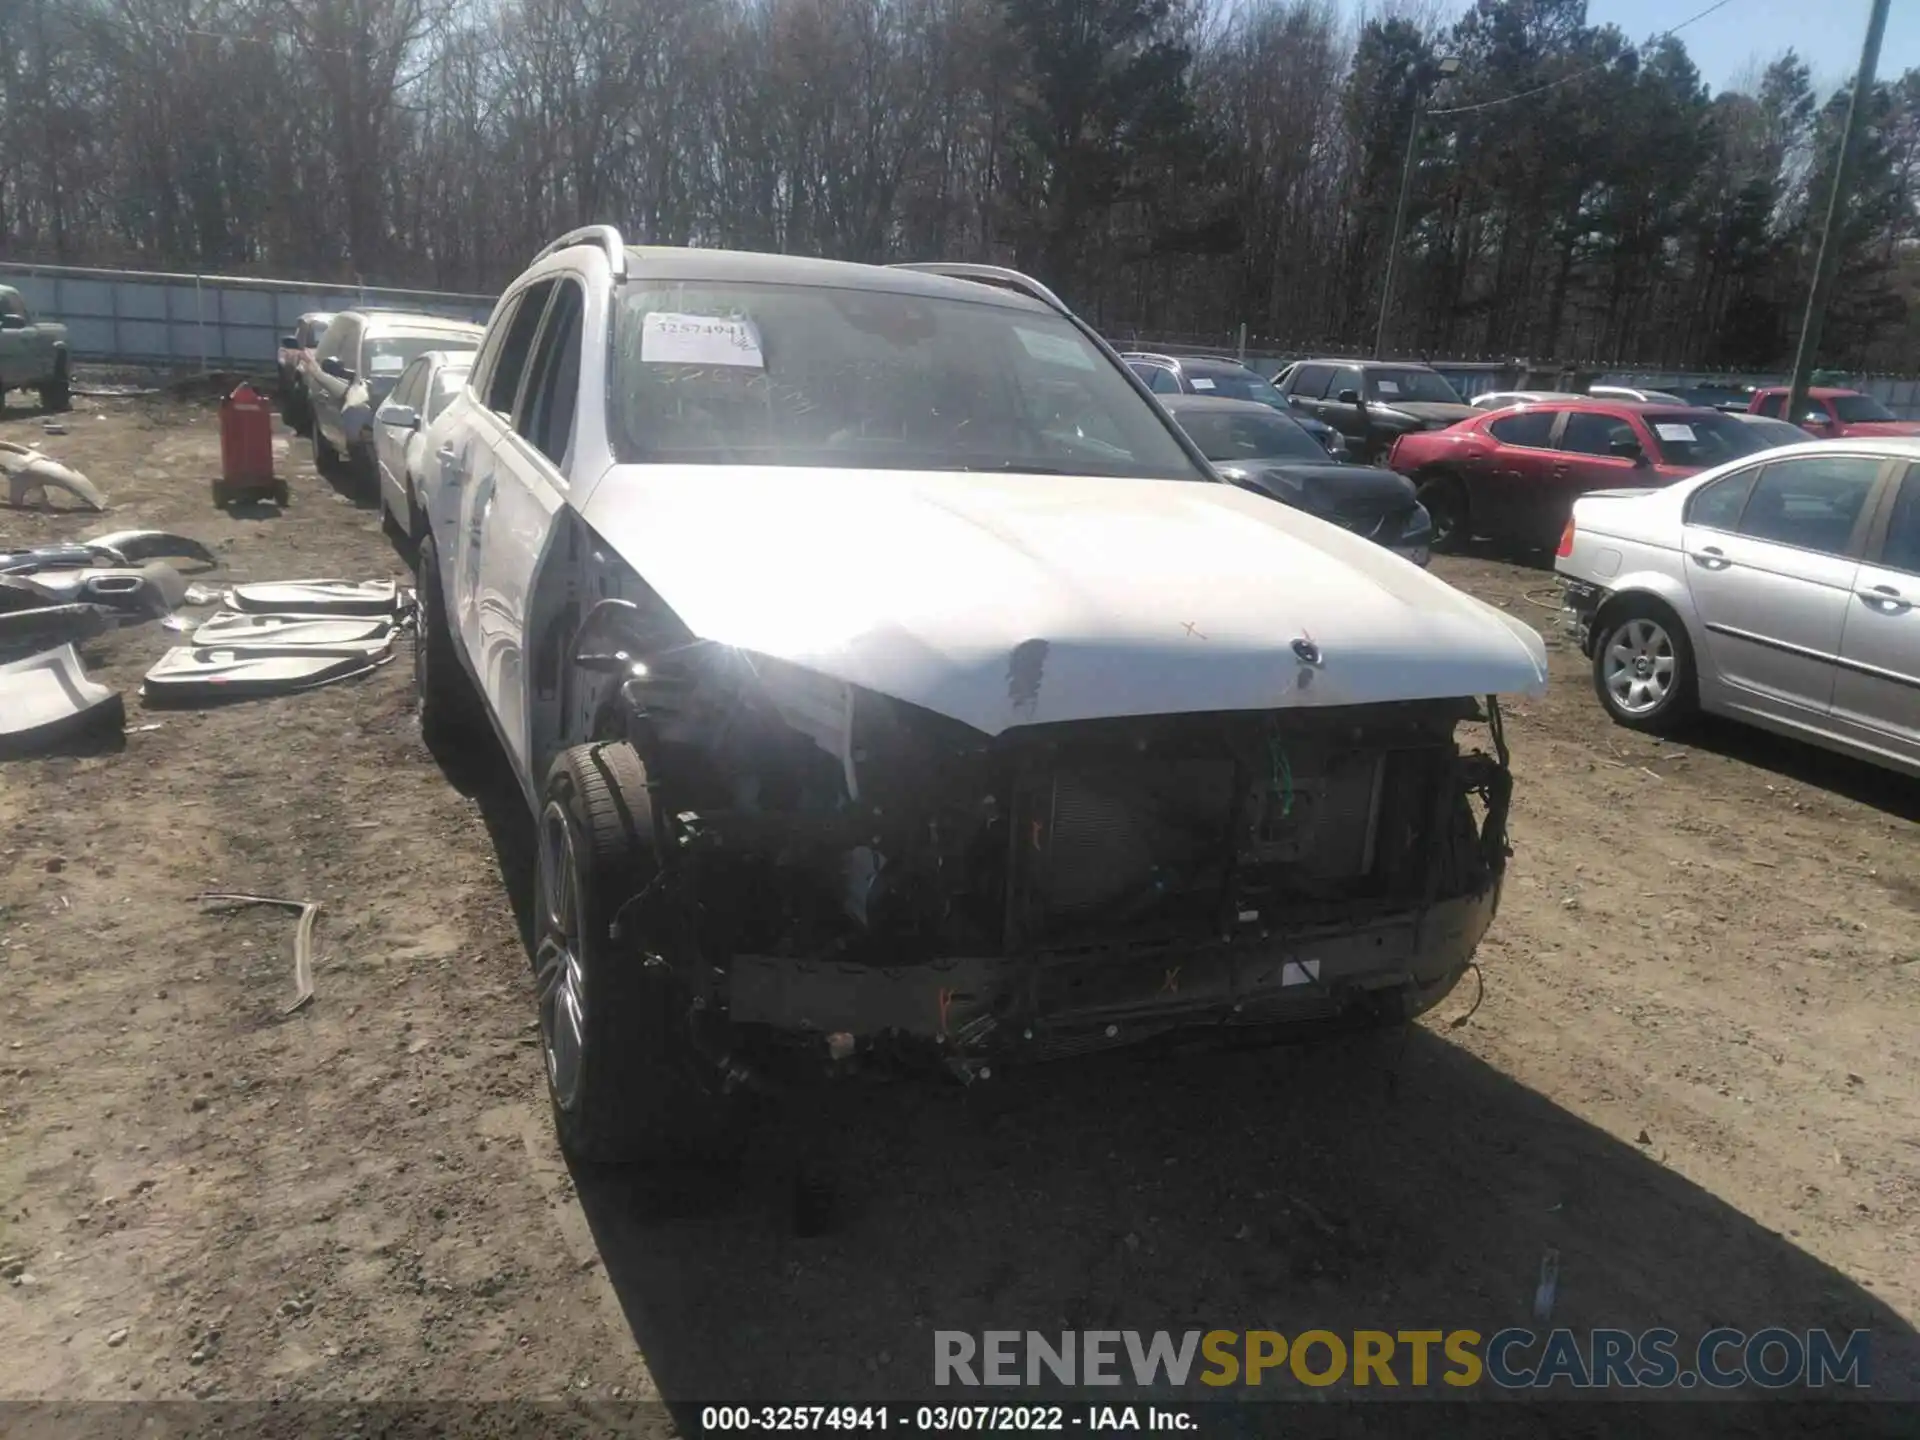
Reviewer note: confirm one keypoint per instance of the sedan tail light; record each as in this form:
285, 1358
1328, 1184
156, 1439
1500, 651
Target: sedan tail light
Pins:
1566, 541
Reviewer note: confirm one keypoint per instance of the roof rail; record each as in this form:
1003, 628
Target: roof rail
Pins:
607, 237
998, 275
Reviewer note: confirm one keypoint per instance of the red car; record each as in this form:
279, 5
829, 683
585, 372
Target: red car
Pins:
1832, 414
1513, 475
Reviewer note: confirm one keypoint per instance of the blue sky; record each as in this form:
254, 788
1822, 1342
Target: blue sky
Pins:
1729, 42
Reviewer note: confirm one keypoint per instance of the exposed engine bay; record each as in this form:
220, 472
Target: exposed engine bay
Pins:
838, 863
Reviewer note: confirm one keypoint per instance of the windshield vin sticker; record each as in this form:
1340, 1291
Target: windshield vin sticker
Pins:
1053, 349
1674, 432
670, 339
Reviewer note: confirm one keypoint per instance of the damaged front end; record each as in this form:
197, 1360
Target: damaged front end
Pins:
845, 878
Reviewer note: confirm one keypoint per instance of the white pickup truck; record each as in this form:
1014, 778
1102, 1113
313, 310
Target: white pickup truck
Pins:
33, 354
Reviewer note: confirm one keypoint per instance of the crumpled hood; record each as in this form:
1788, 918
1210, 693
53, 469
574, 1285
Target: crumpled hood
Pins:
1435, 414
1004, 600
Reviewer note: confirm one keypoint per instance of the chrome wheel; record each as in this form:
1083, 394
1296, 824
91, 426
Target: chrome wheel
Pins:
557, 965
1641, 667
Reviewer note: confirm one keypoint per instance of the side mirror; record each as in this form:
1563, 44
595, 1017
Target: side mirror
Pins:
1816, 417
289, 342
11, 321
1349, 397
401, 417
332, 366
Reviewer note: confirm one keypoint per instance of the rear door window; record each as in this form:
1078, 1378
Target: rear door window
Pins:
1810, 503
545, 416
1309, 382
1901, 549
509, 365
1590, 433
412, 385
1530, 429
1717, 506
447, 383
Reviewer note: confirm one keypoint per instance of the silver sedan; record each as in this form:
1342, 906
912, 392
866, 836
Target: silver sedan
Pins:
1781, 589
400, 427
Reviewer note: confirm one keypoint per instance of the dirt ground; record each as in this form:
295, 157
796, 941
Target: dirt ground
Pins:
1695, 1073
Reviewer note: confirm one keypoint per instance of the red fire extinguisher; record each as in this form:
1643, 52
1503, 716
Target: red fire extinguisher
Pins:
246, 450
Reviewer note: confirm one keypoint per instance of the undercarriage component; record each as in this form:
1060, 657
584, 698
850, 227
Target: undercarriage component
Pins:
47, 698
131, 547
316, 597
152, 589
188, 674
31, 474
235, 630
25, 632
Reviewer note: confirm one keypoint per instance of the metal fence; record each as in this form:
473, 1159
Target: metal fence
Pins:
235, 322
212, 321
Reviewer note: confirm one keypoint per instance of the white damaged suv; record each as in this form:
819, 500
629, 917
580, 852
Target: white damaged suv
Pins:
895, 685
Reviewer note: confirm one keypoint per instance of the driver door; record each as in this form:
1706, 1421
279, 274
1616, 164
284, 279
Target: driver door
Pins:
530, 460
473, 473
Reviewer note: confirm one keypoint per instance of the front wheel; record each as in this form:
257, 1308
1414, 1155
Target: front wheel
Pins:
1445, 499
56, 394
616, 1026
446, 698
326, 459
1643, 669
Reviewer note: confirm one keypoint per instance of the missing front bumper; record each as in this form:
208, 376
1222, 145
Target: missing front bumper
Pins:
1050, 1004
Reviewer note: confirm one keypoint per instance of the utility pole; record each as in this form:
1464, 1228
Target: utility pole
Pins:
1448, 64
1828, 263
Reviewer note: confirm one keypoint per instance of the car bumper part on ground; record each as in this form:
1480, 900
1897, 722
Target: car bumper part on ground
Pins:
1008, 1008
1579, 602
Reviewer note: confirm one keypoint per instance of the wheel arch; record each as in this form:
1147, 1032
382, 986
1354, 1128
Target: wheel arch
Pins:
1666, 595
567, 705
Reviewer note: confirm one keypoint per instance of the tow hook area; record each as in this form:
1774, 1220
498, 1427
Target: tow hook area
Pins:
1579, 603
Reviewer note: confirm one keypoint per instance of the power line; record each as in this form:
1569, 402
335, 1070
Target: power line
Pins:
1578, 74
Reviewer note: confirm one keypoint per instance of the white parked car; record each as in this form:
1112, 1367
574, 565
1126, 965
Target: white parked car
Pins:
424, 389
1635, 394
1779, 589
1507, 399
892, 682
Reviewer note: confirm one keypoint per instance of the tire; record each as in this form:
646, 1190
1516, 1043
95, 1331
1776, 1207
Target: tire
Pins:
448, 705
1643, 670
413, 521
326, 459
363, 470
615, 1028
299, 412
56, 394
1445, 499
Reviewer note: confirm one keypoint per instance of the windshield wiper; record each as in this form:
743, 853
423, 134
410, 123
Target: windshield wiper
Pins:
1011, 467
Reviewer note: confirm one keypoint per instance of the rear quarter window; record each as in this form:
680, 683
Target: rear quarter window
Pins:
1717, 506
1528, 428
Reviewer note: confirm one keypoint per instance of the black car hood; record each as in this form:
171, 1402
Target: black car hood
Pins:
1429, 412
1330, 489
